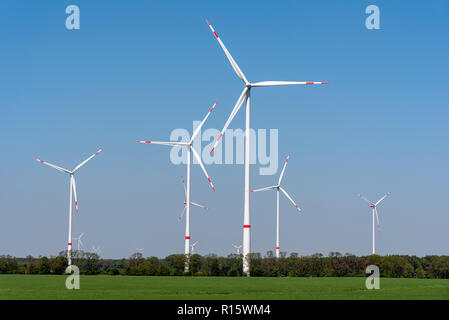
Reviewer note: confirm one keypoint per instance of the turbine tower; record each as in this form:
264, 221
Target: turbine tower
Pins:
72, 193
374, 209
190, 150
279, 188
246, 95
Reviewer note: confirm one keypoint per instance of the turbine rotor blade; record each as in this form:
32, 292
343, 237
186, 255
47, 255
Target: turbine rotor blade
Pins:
291, 200
283, 83
52, 165
182, 214
167, 143
283, 169
233, 113
198, 205
228, 55
377, 218
381, 199
84, 162
197, 130
72, 178
264, 189
197, 157
185, 189
369, 202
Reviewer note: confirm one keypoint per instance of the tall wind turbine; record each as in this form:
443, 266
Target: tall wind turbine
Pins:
237, 247
279, 188
79, 242
72, 193
191, 202
190, 150
246, 95
374, 205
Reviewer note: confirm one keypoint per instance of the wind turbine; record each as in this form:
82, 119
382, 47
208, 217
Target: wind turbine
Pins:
279, 188
237, 247
246, 95
374, 207
96, 250
191, 202
190, 149
72, 192
193, 247
79, 242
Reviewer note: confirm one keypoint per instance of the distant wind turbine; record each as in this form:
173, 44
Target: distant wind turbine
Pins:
237, 247
79, 242
374, 209
279, 188
190, 150
72, 193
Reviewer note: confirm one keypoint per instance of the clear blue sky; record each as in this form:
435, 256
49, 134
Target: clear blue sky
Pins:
139, 69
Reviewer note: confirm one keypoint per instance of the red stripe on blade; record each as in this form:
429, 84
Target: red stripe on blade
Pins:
246, 226
187, 238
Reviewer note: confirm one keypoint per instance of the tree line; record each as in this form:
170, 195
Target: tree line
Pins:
316, 265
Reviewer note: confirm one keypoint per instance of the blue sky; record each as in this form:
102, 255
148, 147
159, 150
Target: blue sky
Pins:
137, 70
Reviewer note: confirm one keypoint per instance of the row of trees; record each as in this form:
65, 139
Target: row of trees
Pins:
316, 265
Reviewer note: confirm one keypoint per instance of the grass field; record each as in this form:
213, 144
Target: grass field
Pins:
220, 288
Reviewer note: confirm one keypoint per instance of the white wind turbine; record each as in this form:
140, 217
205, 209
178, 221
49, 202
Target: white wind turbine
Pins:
279, 188
79, 242
72, 192
191, 202
237, 247
190, 150
246, 94
374, 208
96, 250
193, 247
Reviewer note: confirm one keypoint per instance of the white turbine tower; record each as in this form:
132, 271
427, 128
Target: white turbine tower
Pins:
374, 205
79, 242
191, 202
237, 247
190, 150
246, 94
193, 247
72, 192
279, 188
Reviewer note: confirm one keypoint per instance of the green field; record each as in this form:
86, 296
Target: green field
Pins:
128, 287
